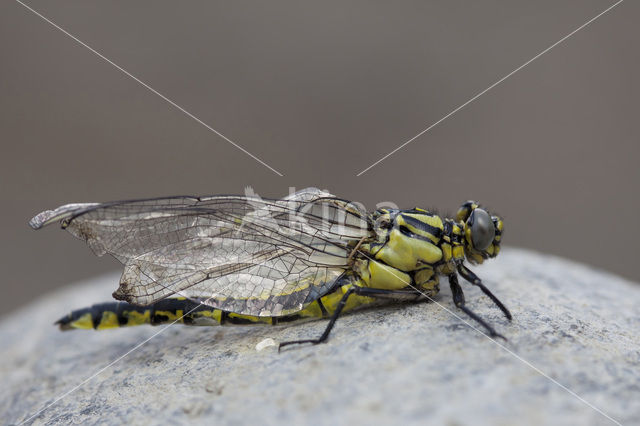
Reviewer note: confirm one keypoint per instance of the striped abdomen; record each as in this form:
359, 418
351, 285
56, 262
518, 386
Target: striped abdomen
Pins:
184, 311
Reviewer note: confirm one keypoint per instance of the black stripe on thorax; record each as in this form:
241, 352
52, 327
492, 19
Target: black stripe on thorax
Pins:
418, 224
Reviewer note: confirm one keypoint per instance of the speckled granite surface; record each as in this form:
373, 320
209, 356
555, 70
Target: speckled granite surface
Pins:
415, 364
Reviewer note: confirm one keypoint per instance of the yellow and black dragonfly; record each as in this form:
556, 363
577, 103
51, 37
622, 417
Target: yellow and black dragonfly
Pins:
246, 260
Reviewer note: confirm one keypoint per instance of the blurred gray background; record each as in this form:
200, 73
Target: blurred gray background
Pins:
320, 91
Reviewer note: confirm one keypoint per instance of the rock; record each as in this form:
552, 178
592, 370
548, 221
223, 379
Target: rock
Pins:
403, 363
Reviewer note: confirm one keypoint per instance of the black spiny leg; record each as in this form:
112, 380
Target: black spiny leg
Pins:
473, 279
362, 291
327, 330
458, 299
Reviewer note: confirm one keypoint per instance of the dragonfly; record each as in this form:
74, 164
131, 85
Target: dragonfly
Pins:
232, 259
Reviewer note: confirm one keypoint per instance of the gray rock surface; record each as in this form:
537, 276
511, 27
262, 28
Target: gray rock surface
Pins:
415, 363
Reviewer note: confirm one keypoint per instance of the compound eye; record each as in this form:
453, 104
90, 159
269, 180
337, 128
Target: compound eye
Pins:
482, 229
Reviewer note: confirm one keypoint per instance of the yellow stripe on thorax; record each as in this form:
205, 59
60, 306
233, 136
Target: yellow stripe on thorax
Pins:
376, 274
406, 253
433, 221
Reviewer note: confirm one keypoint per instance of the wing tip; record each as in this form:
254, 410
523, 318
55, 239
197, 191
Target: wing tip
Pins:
123, 293
41, 219
119, 295
61, 213
34, 224
133, 300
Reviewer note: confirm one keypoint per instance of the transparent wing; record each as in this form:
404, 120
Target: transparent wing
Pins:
243, 254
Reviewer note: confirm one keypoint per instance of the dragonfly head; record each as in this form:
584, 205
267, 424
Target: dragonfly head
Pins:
482, 232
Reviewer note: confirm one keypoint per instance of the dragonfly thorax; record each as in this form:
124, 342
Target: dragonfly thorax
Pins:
405, 242
408, 240
410, 244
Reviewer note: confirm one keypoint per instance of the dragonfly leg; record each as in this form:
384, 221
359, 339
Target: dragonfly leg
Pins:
475, 280
332, 322
458, 300
361, 291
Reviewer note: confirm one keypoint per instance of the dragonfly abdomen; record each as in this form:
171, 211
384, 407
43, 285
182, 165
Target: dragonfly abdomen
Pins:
102, 316
122, 314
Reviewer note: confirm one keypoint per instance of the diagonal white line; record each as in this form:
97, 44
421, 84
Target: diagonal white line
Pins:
104, 368
151, 89
491, 87
518, 357
78, 386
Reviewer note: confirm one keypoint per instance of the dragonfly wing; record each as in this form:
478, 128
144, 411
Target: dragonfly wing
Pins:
277, 284
242, 254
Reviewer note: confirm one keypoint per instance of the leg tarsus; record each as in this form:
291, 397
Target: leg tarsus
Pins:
458, 300
475, 317
298, 342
